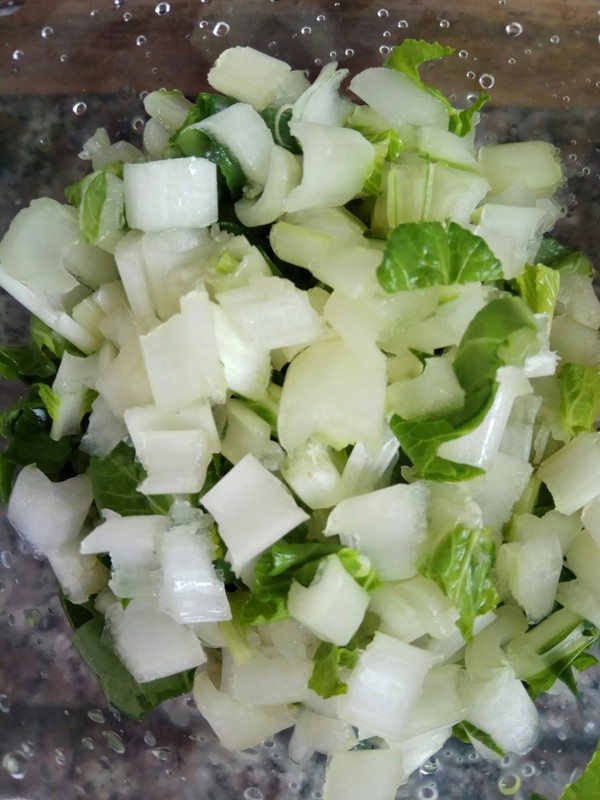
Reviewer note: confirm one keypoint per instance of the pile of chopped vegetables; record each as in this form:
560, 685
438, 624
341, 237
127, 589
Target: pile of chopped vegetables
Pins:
311, 418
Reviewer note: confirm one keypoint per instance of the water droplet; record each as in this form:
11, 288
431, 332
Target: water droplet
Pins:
94, 12
321, 18
333, 54
512, 60
119, 3
59, 756
127, 16
32, 616
137, 124
403, 24
486, 81
162, 8
2, 586
383, 12
527, 52
470, 75
444, 23
349, 52
162, 753
149, 738
114, 741
509, 784
18, 55
97, 716
15, 764
554, 39
6, 558
387, 34
514, 29
11, 620
305, 31
79, 108
384, 50
63, 58
87, 743
203, 24
429, 766
221, 29
46, 32
528, 770
318, 62
4, 703
429, 792
141, 40
148, 53
252, 793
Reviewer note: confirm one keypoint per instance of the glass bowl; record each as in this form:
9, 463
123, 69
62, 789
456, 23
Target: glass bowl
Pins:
70, 66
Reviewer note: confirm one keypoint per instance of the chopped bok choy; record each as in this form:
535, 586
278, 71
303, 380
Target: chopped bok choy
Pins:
311, 418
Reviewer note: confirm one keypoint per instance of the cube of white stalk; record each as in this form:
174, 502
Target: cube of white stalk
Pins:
497, 491
312, 474
480, 445
175, 193
322, 102
501, 706
252, 509
354, 322
316, 733
47, 514
359, 774
535, 578
169, 108
264, 681
191, 592
590, 516
397, 99
335, 164
449, 505
181, 356
484, 655
210, 634
155, 138
124, 382
150, 643
104, 430
129, 256
175, 461
333, 606
364, 470
248, 75
245, 134
131, 541
79, 576
518, 434
198, 416
435, 392
291, 88
577, 598
414, 608
247, 368
573, 473
388, 525
290, 639
583, 559
535, 163
577, 299
245, 433
284, 175
525, 224
330, 393
174, 263
272, 312
238, 726
575, 342
445, 650
417, 750
438, 705
384, 686
34, 248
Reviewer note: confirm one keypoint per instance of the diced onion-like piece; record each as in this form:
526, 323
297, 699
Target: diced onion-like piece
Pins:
266, 681
359, 774
248, 75
573, 473
252, 509
175, 193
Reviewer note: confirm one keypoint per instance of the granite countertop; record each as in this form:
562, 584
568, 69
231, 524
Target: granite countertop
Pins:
57, 737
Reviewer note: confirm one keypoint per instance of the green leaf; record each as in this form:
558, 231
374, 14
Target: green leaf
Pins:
273, 575
408, 56
50, 399
422, 254
461, 564
466, 732
569, 262
45, 338
504, 332
7, 475
328, 659
584, 661
121, 689
26, 428
536, 796
579, 397
115, 479
278, 122
588, 785
538, 286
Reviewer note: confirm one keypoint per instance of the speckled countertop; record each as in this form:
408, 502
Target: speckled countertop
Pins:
57, 738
